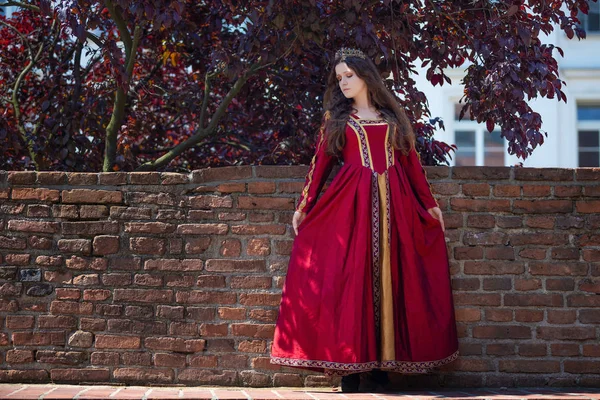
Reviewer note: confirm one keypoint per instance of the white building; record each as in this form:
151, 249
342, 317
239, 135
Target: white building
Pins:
573, 128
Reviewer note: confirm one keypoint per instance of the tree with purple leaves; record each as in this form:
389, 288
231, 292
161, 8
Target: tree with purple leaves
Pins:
177, 85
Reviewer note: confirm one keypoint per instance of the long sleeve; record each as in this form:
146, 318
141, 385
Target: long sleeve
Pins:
418, 179
318, 172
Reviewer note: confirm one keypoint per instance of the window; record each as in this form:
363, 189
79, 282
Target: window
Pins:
591, 21
475, 145
588, 135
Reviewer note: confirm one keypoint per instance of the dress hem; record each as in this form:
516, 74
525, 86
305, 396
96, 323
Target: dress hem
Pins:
339, 369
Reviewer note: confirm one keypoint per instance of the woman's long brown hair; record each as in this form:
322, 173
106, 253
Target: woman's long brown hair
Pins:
338, 108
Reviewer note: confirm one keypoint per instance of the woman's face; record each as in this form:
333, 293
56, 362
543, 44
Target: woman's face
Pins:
350, 84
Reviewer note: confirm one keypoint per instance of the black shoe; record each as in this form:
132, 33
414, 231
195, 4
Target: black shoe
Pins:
350, 383
376, 380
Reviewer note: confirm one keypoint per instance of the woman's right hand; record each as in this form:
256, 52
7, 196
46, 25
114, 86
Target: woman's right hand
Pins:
297, 220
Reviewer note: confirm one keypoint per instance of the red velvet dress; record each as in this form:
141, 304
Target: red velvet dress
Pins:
368, 283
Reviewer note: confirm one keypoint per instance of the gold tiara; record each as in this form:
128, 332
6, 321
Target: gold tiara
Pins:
344, 52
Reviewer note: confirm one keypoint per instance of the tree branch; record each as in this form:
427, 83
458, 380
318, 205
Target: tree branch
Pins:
201, 132
121, 25
19, 4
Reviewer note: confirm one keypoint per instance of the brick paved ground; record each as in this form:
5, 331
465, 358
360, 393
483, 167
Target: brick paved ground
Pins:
50, 391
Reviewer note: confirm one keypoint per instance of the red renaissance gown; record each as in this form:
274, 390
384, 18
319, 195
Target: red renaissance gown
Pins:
368, 282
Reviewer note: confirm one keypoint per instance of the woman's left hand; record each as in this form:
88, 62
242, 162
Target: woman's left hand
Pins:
436, 213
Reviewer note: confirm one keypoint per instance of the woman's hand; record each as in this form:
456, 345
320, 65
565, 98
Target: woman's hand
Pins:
297, 220
436, 213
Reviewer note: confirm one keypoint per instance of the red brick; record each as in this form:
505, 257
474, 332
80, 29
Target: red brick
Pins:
253, 346
104, 245
17, 259
19, 321
589, 316
561, 316
202, 229
536, 191
40, 194
147, 280
498, 315
524, 300
143, 295
285, 218
564, 349
71, 308
568, 191
581, 367
147, 245
221, 174
543, 174
558, 268
588, 206
183, 329
13, 243
588, 240
143, 375
462, 204
485, 238
96, 294
77, 246
528, 315
258, 229
507, 191
173, 265
266, 203
38, 338
500, 349
93, 212
542, 206
466, 284
231, 313
169, 360
197, 245
104, 358
90, 228
540, 222
19, 356
481, 173
552, 239
477, 299
468, 253
237, 361
117, 342
476, 189
33, 226
213, 330
205, 297
136, 358
262, 315
57, 321
443, 188
202, 361
68, 293
149, 227
260, 299
591, 255
261, 187
91, 196
493, 267
537, 366
253, 330
144, 178
230, 248
565, 333
258, 247
481, 221
215, 265
80, 375
250, 282
502, 332
499, 283
563, 284
591, 350
527, 284
174, 344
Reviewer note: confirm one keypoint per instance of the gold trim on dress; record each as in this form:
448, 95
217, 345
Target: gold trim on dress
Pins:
337, 368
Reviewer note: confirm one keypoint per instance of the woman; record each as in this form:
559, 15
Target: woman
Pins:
368, 284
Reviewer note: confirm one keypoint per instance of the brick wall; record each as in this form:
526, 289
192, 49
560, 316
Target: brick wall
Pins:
162, 278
